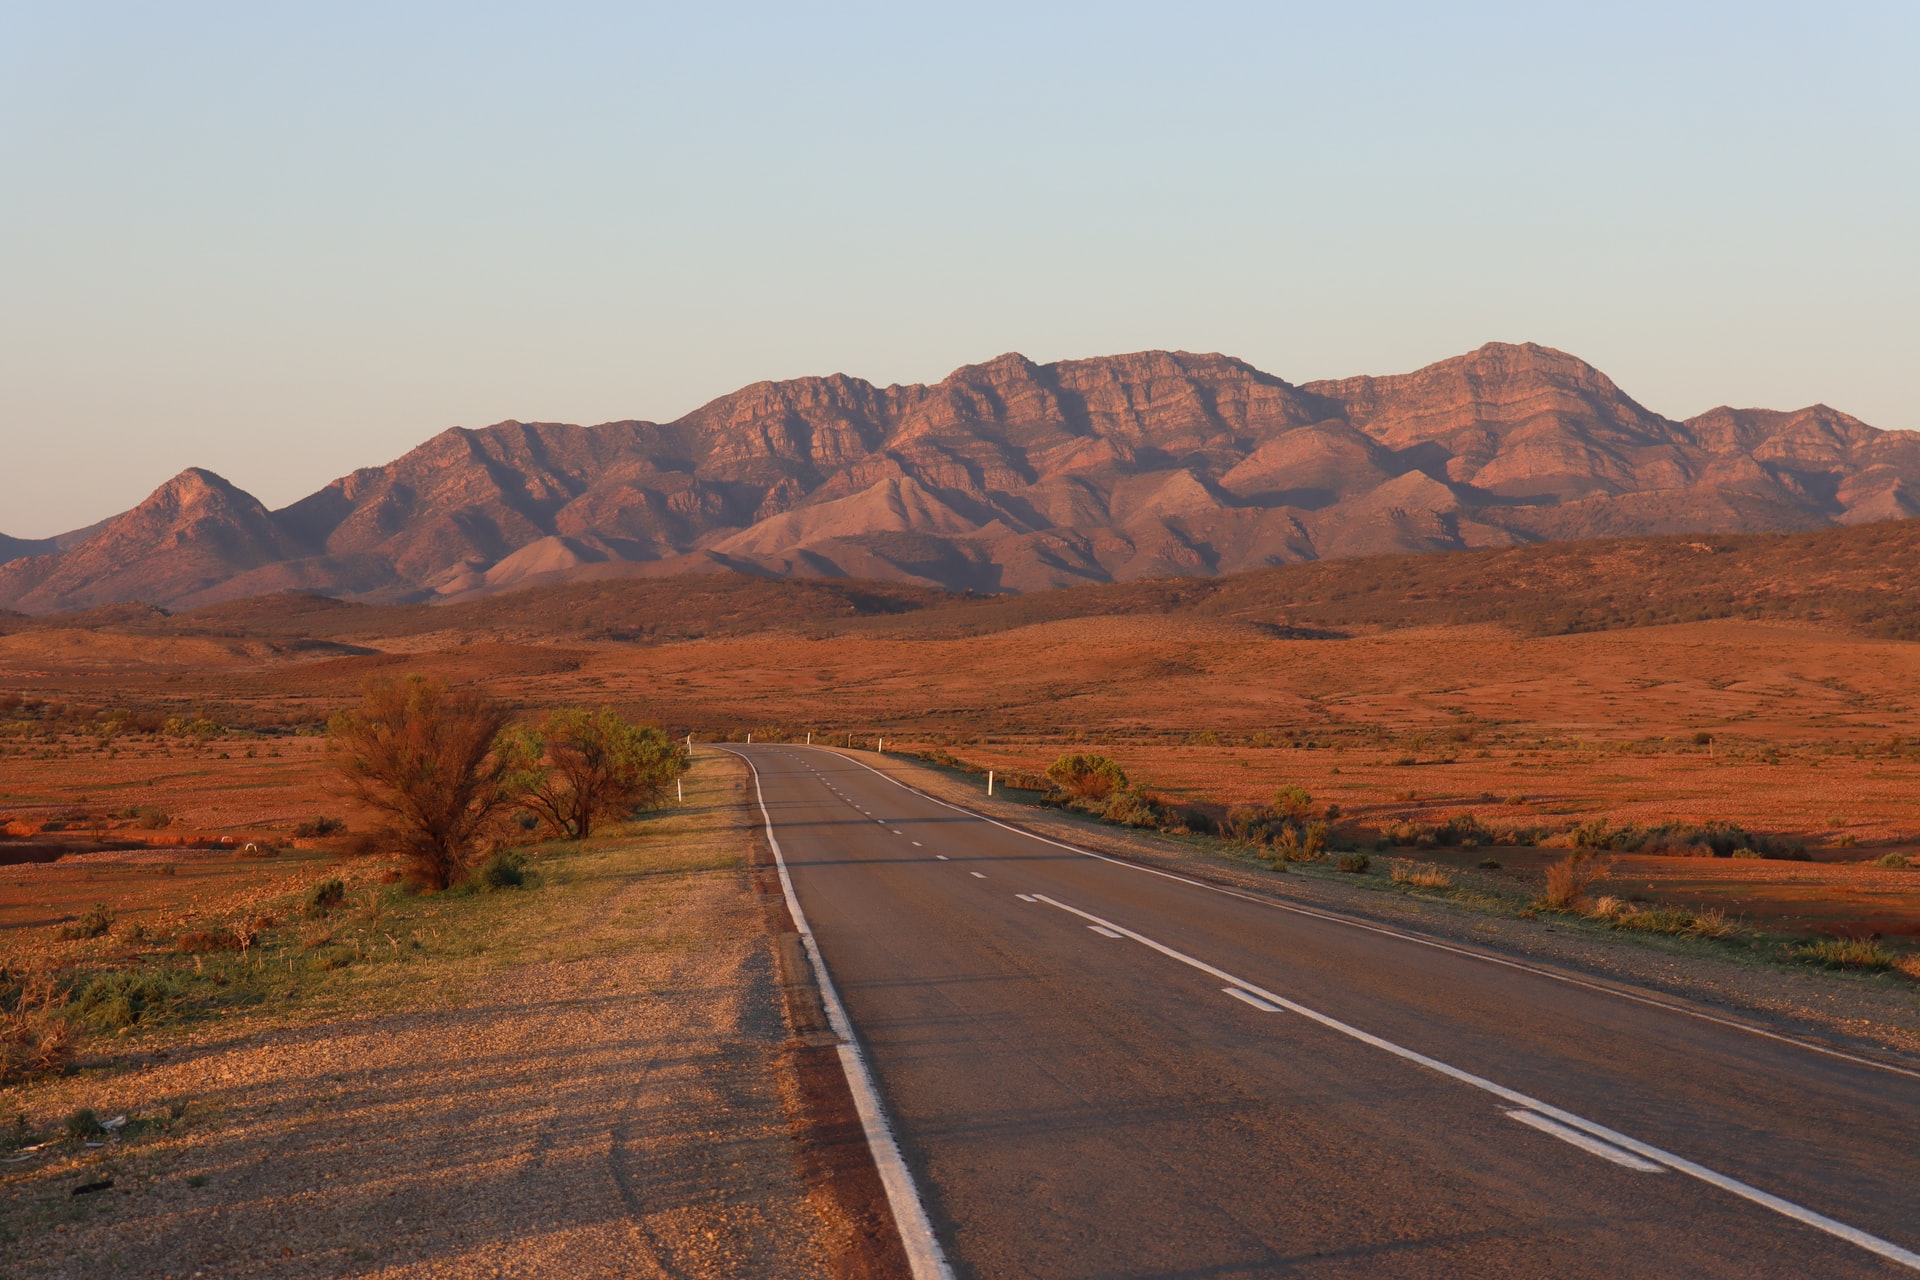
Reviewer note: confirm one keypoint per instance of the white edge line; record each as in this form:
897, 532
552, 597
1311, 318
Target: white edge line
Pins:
1247, 997
922, 1247
1590, 1145
1388, 931
1787, 1208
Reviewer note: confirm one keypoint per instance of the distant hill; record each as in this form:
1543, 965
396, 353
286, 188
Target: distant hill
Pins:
1006, 476
1864, 579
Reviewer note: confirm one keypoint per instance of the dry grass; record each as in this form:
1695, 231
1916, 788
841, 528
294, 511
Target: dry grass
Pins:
1420, 875
1848, 953
35, 1034
1569, 879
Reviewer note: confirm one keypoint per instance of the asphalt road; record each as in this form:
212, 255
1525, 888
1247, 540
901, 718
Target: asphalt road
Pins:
1096, 1070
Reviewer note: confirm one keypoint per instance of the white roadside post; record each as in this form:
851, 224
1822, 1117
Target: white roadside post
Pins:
680, 789
989, 782
809, 737
749, 737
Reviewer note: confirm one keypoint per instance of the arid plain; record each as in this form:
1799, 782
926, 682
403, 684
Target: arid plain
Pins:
1795, 727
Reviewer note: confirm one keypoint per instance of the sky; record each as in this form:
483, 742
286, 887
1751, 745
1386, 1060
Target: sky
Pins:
283, 241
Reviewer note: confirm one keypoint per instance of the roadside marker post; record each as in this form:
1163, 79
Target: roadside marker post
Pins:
680, 790
989, 782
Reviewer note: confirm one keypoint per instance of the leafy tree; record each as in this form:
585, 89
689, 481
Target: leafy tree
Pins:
434, 761
584, 766
1087, 776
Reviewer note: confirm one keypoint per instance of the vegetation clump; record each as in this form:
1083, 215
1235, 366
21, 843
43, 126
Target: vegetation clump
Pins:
504, 870
1708, 923
318, 828
35, 1036
1846, 953
95, 924
322, 897
1569, 879
578, 767
1084, 776
111, 1001
1419, 875
1684, 839
434, 762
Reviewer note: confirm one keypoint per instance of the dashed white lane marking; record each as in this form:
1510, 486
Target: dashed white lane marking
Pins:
978, 875
943, 857
1103, 931
1612, 1137
918, 845
897, 831
1247, 997
1026, 897
1586, 1142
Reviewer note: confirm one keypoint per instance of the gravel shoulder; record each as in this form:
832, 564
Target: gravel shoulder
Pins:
610, 1091
1875, 1018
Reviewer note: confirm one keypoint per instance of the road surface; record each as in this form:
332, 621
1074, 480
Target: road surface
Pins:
1093, 1069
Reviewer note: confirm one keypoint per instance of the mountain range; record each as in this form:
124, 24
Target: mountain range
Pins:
1005, 476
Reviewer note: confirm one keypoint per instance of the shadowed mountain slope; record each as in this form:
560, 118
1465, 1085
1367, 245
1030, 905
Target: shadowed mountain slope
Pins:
1863, 579
1005, 476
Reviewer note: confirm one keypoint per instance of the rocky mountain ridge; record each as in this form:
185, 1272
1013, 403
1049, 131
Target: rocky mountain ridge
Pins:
1007, 475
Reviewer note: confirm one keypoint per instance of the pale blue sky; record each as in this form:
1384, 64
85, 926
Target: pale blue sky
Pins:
284, 241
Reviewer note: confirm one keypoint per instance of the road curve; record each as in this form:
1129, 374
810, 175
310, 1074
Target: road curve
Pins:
1095, 1070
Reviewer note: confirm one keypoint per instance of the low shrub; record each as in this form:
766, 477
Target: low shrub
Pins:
115, 1000
1354, 863
1297, 843
504, 870
83, 1125
1846, 953
35, 1036
1707, 923
95, 924
1898, 860
1420, 875
1489, 864
1569, 879
1683, 839
317, 828
201, 941
323, 897
1085, 776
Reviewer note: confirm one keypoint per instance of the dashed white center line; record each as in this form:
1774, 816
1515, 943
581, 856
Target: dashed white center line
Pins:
977, 875
943, 857
1248, 997
1026, 897
1528, 1110
918, 845
897, 831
